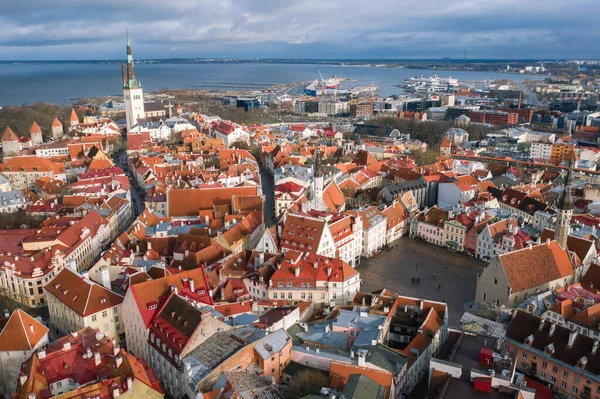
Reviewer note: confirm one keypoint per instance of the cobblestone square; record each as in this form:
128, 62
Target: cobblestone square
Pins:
454, 283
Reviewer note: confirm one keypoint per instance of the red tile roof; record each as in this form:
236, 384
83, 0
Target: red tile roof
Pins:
297, 269
56, 122
302, 233
534, 266
21, 332
156, 291
9, 135
81, 295
188, 202
35, 128
67, 358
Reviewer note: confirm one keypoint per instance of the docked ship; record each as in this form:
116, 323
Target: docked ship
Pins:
331, 83
430, 84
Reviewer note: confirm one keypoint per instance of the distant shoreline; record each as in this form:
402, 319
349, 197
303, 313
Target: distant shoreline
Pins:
353, 62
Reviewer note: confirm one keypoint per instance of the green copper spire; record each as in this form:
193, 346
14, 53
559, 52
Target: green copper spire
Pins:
130, 81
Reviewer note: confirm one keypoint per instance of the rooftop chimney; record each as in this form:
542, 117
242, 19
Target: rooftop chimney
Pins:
572, 336
118, 361
67, 346
542, 323
595, 347
97, 359
361, 357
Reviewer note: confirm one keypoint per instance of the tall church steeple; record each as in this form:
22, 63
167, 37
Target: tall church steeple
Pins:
565, 209
132, 91
318, 182
130, 81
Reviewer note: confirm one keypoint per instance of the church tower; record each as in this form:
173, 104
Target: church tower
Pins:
445, 148
565, 210
317, 181
132, 91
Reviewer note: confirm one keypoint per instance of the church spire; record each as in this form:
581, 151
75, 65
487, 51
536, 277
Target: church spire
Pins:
566, 200
318, 167
131, 81
565, 208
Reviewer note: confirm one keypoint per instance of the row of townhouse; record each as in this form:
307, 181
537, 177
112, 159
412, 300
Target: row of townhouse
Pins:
314, 278
349, 235
48, 251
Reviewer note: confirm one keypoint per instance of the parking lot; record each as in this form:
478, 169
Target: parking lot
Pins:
455, 282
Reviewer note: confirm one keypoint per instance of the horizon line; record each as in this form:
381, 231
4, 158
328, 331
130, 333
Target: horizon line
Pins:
460, 60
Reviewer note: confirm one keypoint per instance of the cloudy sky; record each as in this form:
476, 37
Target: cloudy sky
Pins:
95, 29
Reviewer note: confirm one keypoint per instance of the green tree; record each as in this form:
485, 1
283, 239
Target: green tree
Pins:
306, 382
523, 147
425, 157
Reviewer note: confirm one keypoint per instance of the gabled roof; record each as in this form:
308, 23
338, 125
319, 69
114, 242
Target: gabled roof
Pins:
564, 308
302, 233
333, 197
580, 246
536, 265
149, 294
81, 295
525, 325
21, 332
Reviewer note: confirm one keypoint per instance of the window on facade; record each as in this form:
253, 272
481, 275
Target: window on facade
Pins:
563, 384
544, 364
566, 374
94, 318
104, 313
524, 355
554, 369
553, 379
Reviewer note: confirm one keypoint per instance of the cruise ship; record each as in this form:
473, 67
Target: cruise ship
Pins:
429, 84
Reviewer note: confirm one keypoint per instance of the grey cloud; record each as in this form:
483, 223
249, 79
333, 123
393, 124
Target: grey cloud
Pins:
34, 29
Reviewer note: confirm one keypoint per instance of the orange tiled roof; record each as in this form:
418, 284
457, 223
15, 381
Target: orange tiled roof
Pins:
333, 197
83, 296
35, 128
21, 332
9, 135
534, 266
